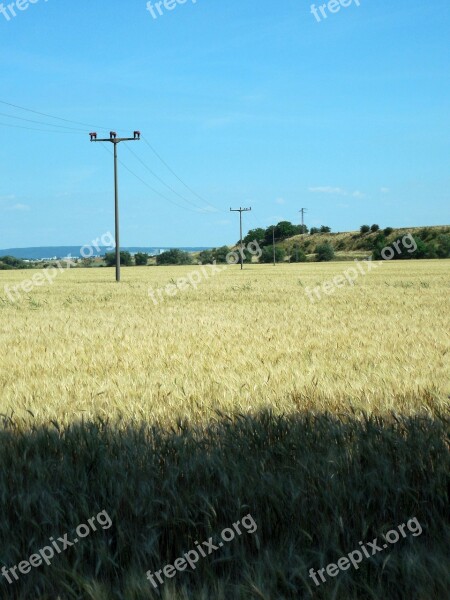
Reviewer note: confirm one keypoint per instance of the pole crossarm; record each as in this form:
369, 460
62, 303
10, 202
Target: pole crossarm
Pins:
116, 140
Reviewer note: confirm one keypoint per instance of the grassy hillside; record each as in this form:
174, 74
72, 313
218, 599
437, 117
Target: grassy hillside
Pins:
352, 244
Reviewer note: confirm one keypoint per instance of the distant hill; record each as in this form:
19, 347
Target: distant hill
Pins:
50, 252
352, 244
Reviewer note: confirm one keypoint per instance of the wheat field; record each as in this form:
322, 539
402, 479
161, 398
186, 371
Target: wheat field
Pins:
241, 341
328, 421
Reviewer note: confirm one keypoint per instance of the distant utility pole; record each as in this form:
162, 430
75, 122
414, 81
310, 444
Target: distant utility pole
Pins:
273, 246
303, 210
115, 140
240, 211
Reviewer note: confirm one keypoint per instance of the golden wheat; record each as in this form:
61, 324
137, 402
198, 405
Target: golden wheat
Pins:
85, 346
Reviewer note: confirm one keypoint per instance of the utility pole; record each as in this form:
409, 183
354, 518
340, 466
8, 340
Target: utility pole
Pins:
240, 211
303, 210
273, 246
115, 140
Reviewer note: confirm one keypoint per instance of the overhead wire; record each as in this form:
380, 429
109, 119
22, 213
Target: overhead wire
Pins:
50, 116
155, 191
36, 129
161, 180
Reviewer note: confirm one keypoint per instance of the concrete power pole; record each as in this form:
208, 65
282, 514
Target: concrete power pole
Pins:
303, 210
115, 140
240, 211
273, 247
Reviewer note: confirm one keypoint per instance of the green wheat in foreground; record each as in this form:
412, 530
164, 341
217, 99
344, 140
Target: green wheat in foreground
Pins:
327, 422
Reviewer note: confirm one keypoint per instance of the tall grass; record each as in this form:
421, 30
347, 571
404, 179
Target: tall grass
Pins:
315, 484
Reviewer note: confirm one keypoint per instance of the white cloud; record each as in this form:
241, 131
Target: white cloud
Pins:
326, 189
336, 191
21, 207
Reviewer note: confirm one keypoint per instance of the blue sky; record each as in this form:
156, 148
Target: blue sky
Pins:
250, 103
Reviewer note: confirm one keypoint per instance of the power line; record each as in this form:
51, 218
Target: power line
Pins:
150, 187
162, 181
42, 123
177, 177
36, 112
106, 129
35, 129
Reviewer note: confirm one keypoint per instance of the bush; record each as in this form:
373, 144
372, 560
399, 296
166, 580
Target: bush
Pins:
387, 231
324, 252
443, 249
364, 229
314, 230
220, 254
374, 228
141, 259
298, 255
422, 251
267, 254
174, 257
206, 257
125, 259
14, 263
325, 229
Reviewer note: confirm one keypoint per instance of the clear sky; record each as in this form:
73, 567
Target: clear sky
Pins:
250, 103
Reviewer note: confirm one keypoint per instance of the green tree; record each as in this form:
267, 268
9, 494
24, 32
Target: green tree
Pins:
125, 259
141, 259
283, 230
325, 229
387, 231
257, 234
364, 229
267, 254
175, 256
324, 252
374, 228
314, 230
